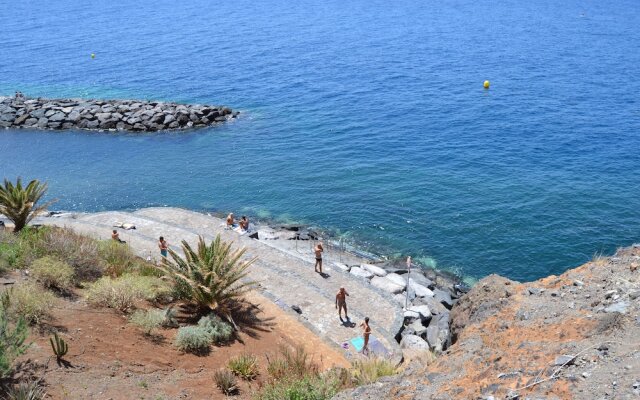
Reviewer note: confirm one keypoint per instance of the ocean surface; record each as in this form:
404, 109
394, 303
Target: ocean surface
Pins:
366, 118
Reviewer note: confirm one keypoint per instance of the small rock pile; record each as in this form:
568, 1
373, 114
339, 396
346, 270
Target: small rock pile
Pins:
120, 115
430, 298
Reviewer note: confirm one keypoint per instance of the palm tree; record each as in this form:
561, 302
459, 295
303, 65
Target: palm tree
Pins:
18, 203
213, 275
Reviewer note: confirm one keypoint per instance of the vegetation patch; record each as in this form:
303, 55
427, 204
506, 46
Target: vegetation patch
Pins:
122, 293
218, 330
371, 369
193, 339
53, 273
245, 366
118, 258
29, 301
148, 320
12, 338
198, 339
225, 381
32, 390
291, 361
309, 387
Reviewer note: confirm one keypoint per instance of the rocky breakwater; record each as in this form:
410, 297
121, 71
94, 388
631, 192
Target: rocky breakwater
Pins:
573, 336
20, 111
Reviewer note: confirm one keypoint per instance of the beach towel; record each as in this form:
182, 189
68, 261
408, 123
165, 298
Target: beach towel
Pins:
375, 347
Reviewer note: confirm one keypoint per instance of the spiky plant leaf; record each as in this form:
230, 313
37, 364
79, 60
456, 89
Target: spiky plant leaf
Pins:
214, 274
19, 203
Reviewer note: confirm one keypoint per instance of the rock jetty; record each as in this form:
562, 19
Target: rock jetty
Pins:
20, 111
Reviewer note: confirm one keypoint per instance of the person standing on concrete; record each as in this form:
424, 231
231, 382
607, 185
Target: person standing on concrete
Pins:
318, 250
163, 246
366, 331
341, 302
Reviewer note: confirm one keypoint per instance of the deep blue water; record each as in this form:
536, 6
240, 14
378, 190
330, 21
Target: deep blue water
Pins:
365, 117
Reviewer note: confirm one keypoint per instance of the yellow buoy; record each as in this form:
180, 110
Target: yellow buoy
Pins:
486, 84
93, 55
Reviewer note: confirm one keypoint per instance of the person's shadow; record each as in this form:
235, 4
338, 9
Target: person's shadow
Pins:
347, 323
324, 275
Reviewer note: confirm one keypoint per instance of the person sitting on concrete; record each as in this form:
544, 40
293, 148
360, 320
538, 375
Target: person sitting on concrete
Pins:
244, 223
230, 221
116, 236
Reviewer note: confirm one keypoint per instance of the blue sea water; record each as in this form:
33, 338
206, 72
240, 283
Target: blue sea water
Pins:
364, 117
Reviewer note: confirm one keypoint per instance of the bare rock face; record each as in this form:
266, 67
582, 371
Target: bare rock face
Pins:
487, 298
122, 115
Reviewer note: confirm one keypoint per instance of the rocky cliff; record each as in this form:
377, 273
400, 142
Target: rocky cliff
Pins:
574, 336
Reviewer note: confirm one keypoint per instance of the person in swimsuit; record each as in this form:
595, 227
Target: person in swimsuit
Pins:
318, 250
341, 302
366, 331
116, 236
163, 246
244, 223
230, 221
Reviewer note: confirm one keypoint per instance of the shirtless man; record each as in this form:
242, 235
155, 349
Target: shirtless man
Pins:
244, 223
366, 331
163, 246
318, 250
341, 302
116, 236
230, 220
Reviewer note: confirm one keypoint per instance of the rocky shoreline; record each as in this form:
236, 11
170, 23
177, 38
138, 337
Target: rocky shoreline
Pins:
428, 294
20, 111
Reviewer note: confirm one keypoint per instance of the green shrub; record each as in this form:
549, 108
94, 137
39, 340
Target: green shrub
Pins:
225, 381
148, 320
53, 273
169, 320
245, 366
9, 251
26, 391
371, 369
122, 293
12, 339
29, 301
193, 339
218, 330
309, 387
118, 258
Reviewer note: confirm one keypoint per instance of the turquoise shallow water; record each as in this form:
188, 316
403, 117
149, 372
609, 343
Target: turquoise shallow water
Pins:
367, 118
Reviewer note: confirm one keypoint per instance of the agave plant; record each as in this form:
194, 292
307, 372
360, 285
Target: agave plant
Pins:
19, 203
214, 274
